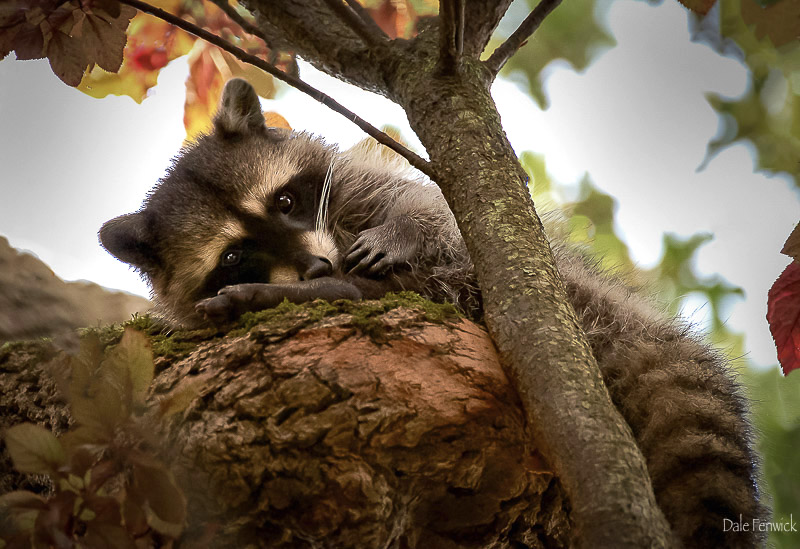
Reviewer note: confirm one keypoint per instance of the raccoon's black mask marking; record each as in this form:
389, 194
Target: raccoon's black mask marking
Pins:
216, 238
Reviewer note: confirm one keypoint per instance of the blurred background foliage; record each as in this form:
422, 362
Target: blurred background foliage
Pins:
766, 40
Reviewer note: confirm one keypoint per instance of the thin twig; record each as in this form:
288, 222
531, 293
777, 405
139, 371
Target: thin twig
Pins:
417, 161
367, 18
350, 18
248, 27
508, 48
451, 34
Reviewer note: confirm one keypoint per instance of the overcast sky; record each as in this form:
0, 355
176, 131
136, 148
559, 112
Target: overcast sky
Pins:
636, 121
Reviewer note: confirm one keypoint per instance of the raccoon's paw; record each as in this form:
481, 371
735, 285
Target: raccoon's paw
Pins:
233, 301
377, 250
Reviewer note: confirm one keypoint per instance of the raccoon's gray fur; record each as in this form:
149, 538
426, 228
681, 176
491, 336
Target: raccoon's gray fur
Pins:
258, 214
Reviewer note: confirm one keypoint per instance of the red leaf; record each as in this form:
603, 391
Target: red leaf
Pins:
149, 58
699, 6
783, 316
792, 245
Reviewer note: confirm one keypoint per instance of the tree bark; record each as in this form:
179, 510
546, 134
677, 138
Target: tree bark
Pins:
388, 431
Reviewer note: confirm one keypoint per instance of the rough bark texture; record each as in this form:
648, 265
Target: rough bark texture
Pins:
535, 329
394, 432
28, 393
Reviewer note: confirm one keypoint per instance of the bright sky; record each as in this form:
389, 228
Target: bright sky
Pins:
636, 121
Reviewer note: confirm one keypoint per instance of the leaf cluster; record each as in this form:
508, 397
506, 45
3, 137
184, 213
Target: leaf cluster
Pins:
73, 35
766, 36
111, 490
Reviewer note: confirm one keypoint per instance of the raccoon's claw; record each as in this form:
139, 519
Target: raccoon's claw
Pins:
216, 309
380, 248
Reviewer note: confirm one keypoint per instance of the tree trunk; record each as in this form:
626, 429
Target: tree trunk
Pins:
535, 328
353, 431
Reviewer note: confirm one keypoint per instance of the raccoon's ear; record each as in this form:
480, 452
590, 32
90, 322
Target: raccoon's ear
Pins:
239, 110
126, 238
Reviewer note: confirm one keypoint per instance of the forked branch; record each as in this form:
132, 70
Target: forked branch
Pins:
508, 48
417, 161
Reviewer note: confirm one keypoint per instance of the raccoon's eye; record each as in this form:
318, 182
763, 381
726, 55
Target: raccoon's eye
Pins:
285, 202
230, 258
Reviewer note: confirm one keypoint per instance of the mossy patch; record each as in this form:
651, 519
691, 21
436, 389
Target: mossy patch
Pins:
164, 341
288, 317
33, 351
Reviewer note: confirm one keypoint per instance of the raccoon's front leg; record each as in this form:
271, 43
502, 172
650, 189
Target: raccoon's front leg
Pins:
233, 301
376, 250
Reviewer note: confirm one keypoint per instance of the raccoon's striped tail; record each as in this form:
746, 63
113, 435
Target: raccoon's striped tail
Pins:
686, 411
689, 420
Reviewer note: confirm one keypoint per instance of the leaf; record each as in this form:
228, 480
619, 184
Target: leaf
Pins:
792, 245
74, 40
275, 120
699, 6
571, 33
164, 498
22, 499
203, 88
68, 59
780, 20
51, 526
783, 316
152, 44
102, 535
131, 362
134, 515
768, 114
101, 411
395, 18
34, 449
105, 40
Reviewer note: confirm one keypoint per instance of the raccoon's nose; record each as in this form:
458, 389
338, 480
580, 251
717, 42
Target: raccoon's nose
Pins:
320, 266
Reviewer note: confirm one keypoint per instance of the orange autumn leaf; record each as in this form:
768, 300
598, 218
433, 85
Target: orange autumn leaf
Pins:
275, 120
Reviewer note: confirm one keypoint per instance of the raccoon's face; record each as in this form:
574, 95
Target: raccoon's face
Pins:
245, 204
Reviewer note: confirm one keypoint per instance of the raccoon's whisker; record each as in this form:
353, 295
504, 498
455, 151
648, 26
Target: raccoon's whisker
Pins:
322, 213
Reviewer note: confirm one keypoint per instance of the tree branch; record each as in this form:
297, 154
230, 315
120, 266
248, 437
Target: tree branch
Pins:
418, 162
367, 18
451, 34
480, 19
248, 27
508, 48
326, 42
345, 12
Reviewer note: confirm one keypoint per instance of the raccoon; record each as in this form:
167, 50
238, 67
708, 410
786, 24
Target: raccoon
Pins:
251, 215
